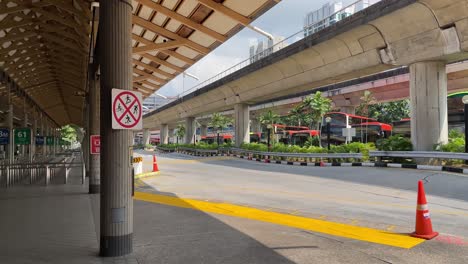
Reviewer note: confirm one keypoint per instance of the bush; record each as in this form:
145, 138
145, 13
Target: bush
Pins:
456, 142
395, 143
168, 146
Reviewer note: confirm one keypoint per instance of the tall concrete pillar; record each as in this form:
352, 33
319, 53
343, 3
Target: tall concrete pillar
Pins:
203, 130
146, 136
115, 52
171, 135
164, 133
242, 126
428, 94
190, 130
11, 146
348, 109
94, 130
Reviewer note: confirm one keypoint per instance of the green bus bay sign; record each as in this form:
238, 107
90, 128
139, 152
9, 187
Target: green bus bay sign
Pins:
22, 136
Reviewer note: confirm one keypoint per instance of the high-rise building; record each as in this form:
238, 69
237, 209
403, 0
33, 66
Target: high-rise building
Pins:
330, 13
261, 49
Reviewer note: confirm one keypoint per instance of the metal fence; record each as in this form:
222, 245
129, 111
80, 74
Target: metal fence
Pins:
42, 171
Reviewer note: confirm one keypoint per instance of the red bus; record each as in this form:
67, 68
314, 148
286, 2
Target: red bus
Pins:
366, 129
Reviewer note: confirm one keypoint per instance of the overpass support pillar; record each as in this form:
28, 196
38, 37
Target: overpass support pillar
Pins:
348, 109
115, 53
94, 130
242, 126
146, 136
164, 133
190, 130
428, 94
204, 130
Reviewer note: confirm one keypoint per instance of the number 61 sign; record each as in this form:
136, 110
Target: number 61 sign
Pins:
22, 136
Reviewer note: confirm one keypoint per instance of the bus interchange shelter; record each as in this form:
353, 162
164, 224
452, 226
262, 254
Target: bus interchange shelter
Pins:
59, 61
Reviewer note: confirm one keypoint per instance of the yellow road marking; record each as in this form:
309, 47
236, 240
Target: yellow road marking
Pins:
321, 197
315, 225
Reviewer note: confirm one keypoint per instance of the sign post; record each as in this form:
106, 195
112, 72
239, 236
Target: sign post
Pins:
50, 141
22, 136
126, 110
95, 147
4, 136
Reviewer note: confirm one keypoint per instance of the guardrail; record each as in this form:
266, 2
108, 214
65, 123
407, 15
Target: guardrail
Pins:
197, 152
419, 154
165, 149
301, 155
37, 172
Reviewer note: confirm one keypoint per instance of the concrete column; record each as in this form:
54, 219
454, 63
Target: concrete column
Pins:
171, 135
255, 125
11, 146
242, 127
146, 136
428, 94
115, 52
190, 130
94, 129
204, 130
348, 109
164, 134
32, 150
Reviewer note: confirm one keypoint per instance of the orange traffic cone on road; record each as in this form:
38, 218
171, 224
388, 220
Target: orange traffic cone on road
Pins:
155, 164
423, 218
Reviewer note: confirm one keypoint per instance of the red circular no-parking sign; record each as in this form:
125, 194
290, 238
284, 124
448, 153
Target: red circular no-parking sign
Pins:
126, 109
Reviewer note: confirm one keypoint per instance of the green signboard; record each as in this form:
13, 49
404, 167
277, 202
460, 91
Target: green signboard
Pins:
22, 136
49, 141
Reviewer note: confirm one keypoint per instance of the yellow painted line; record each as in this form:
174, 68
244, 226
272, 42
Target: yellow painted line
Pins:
146, 175
310, 224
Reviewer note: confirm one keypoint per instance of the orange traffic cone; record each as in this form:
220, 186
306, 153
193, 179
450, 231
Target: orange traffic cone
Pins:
423, 218
155, 164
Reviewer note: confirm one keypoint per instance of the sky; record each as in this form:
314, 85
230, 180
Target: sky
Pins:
236, 49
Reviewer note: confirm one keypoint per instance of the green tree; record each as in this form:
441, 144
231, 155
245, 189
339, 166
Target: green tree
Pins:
316, 106
219, 122
68, 133
367, 99
268, 119
180, 131
390, 112
298, 117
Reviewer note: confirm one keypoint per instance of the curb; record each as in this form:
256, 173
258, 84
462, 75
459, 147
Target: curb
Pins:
349, 164
146, 174
362, 164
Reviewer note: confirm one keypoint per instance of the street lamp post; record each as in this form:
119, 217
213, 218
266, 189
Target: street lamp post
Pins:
465, 113
328, 120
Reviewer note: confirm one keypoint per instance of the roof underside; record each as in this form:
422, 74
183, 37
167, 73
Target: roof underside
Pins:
44, 45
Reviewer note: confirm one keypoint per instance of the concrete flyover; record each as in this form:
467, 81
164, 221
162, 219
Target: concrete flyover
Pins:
424, 35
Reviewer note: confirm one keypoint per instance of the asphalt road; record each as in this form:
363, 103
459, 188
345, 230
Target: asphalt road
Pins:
380, 198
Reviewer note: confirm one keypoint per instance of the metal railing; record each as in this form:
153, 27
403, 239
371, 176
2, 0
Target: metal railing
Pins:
419, 154
301, 155
316, 27
43, 170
